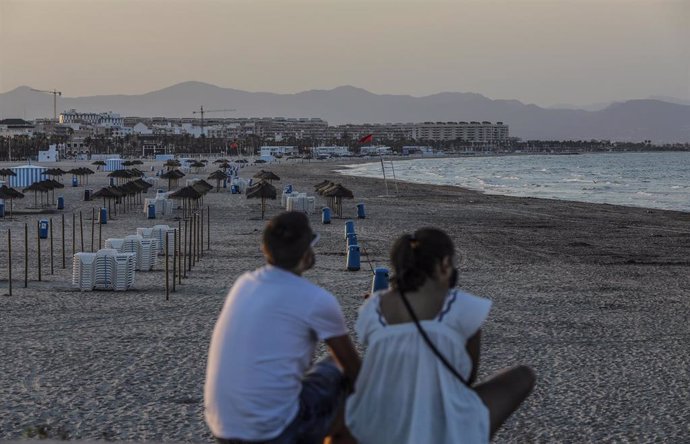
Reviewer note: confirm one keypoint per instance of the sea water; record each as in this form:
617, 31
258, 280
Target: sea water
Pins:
649, 180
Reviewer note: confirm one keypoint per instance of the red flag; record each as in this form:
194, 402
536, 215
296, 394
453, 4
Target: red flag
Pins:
366, 139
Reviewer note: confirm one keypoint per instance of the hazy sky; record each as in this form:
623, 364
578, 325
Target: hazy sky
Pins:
545, 52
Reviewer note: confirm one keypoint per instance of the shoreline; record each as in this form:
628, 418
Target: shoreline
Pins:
592, 296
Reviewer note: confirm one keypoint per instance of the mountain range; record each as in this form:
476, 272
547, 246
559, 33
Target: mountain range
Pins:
634, 120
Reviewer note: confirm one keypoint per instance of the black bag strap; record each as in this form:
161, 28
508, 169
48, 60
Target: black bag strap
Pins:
428, 341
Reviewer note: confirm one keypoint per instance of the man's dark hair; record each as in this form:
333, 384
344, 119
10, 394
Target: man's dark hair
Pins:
286, 238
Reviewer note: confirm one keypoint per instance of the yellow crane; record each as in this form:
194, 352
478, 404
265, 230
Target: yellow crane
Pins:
55, 93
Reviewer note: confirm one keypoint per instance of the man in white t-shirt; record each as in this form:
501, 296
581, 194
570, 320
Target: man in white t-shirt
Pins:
259, 383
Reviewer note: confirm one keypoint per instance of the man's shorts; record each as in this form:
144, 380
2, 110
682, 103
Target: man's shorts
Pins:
323, 391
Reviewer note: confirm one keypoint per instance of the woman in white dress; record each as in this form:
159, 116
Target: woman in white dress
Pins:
405, 392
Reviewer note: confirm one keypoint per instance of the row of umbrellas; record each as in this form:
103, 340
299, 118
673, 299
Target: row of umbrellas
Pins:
44, 186
173, 176
191, 196
7, 193
129, 192
335, 193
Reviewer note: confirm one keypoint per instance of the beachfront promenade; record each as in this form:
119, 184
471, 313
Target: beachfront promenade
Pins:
593, 297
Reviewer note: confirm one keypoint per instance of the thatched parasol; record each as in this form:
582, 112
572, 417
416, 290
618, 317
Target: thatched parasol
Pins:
266, 175
171, 164
137, 162
37, 187
107, 193
54, 172
173, 176
127, 163
337, 193
121, 175
187, 195
7, 172
10, 194
221, 161
218, 175
197, 165
262, 190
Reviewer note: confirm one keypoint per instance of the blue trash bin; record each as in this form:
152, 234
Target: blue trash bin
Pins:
103, 216
61, 203
87, 195
353, 258
349, 227
112, 181
151, 211
75, 181
351, 239
2, 209
360, 211
288, 188
43, 227
235, 189
380, 279
325, 215
225, 183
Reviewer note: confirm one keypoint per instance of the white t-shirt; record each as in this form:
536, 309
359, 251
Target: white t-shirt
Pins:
261, 346
404, 394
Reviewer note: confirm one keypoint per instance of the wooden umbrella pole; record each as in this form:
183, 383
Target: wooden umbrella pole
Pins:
81, 230
74, 233
179, 250
100, 234
184, 253
63, 241
167, 281
26, 255
191, 237
52, 270
93, 213
38, 242
174, 268
9, 260
201, 227
208, 227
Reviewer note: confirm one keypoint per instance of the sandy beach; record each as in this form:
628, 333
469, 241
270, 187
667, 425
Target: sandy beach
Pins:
593, 297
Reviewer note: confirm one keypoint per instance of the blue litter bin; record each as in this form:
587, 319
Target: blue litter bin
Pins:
360, 211
325, 215
87, 195
112, 181
43, 227
349, 227
151, 211
353, 258
225, 183
288, 188
234, 189
61, 203
75, 181
103, 216
2, 209
250, 182
380, 279
351, 239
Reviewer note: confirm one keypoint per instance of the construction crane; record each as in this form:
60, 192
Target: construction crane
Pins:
55, 93
203, 111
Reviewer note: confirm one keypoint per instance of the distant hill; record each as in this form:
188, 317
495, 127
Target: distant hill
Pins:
634, 120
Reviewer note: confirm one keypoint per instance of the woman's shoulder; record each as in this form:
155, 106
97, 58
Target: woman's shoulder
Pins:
465, 311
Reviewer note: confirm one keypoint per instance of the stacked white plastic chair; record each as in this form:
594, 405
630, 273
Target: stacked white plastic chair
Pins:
158, 232
84, 271
301, 202
285, 196
123, 271
241, 184
104, 269
145, 250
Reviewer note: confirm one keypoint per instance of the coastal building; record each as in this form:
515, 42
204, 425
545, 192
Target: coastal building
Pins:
49, 155
107, 119
483, 132
277, 151
424, 151
16, 127
375, 150
330, 151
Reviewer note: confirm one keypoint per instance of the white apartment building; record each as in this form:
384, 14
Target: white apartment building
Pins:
472, 132
277, 151
330, 151
107, 120
375, 150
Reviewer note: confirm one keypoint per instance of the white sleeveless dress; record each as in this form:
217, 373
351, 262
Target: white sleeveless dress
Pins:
404, 393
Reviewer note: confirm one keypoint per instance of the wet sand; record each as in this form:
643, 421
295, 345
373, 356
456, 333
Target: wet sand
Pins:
593, 297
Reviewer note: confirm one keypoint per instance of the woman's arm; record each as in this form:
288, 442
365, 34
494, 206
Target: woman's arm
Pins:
472, 347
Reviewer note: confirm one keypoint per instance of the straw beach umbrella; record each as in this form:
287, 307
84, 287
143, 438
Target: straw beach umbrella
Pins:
36, 187
337, 193
188, 195
7, 193
108, 193
262, 190
5, 172
266, 175
173, 176
171, 164
218, 175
